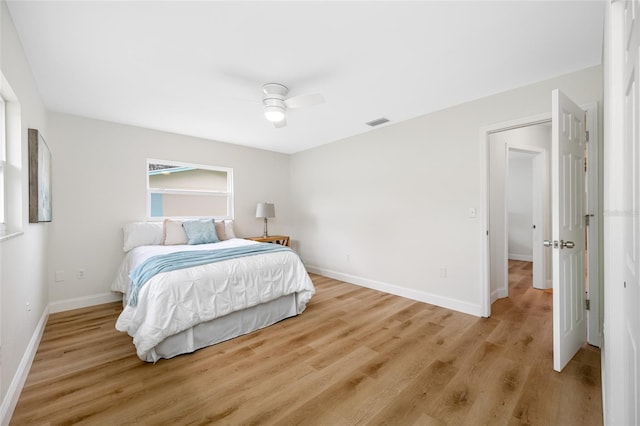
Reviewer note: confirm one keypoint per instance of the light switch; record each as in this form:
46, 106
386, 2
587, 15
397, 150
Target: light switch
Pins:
472, 212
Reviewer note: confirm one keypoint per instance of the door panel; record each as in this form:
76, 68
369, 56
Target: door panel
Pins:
567, 202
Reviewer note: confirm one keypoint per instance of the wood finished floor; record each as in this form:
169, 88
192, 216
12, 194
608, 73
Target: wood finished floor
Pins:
355, 356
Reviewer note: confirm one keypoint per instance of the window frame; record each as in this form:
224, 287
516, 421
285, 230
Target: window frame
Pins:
3, 164
229, 194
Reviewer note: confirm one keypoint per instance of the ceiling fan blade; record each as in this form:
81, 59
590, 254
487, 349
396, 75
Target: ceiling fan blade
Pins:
281, 123
304, 100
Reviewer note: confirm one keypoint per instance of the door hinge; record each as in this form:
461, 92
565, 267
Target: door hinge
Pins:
587, 304
586, 136
587, 219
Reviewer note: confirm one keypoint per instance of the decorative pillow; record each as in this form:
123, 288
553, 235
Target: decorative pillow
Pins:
201, 231
173, 233
220, 230
228, 229
141, 234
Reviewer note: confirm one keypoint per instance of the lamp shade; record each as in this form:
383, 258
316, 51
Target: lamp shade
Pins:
265, 210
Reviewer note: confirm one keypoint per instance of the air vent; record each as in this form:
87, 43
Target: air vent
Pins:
377, 122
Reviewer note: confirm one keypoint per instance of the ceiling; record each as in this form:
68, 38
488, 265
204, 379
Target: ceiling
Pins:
197, 68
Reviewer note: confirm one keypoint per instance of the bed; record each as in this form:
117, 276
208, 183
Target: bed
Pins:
182, 310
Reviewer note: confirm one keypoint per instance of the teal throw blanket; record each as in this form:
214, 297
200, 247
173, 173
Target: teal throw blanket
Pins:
186, 259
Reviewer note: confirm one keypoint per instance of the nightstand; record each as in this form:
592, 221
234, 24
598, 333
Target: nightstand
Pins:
277, 239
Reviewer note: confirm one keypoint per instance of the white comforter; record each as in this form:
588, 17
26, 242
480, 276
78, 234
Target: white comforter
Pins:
175, 301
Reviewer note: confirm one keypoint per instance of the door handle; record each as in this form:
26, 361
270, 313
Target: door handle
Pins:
562, 244
567, 244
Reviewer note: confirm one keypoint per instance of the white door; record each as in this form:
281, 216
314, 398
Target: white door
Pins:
631, 218
621, 384
540, 193
568, 227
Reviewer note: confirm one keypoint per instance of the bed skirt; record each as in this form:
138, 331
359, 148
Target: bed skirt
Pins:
224, 328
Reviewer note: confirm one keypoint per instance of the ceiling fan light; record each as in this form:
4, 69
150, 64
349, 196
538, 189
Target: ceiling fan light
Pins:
274, 113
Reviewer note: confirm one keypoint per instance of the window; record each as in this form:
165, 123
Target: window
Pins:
3, 161
11, 182
188, 190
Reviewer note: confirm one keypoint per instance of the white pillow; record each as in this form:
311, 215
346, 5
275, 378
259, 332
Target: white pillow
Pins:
222, 235
141, 234
174, 233
228, 229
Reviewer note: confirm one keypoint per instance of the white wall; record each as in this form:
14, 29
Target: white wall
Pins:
520, 206
99, 184
23, 259
390, 208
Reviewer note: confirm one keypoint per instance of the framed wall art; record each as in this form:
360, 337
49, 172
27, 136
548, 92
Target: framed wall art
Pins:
39, 178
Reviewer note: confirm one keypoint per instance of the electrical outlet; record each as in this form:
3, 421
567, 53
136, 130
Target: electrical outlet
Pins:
27, 307
82, 274
443, 272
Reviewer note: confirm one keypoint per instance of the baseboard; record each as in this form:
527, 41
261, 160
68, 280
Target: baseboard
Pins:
523, 257
15, 388
499, 294
433, 299
83, 302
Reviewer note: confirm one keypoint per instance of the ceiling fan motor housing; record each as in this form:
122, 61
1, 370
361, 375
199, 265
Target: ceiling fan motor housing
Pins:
274, 106
275, 90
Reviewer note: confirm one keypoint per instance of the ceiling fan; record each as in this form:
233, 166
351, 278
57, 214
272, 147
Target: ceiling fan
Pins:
276, 103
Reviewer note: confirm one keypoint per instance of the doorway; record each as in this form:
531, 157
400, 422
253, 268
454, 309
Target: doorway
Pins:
519, 203
493, 229
526, 216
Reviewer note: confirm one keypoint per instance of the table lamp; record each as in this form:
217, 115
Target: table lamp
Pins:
265, 210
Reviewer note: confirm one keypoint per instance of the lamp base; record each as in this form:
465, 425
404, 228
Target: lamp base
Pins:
265, 235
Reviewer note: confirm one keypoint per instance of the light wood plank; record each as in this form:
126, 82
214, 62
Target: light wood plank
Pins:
355, 356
